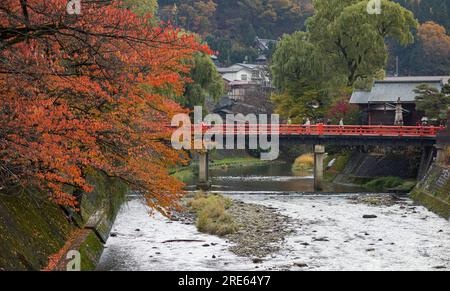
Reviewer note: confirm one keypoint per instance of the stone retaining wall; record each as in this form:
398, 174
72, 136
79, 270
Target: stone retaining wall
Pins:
434, 190
33, 229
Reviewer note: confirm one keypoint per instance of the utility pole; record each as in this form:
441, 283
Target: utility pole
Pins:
396, 66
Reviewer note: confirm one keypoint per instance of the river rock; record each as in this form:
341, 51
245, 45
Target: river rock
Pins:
369, 216
323, 239
300, 264
440, 267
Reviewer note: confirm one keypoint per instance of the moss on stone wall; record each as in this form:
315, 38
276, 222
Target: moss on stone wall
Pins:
32, 228
90, 250
433, 203
434, 190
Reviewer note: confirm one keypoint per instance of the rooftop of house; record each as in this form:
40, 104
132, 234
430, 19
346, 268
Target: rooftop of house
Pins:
239, 67
263, 43
392, 88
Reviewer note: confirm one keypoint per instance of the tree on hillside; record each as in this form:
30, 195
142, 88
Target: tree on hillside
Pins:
430, 10
355, 39
433, 103
430, 54
234, 24
81, 92
434, 40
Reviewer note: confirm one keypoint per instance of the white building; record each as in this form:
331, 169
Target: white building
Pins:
246, 72
244, 78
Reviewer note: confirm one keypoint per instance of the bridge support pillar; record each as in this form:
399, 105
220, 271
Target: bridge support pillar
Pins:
441, 154
203, 171
425, 162
319, 155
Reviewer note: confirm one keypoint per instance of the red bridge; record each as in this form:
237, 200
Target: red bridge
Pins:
321, 129
319, 135
335, 134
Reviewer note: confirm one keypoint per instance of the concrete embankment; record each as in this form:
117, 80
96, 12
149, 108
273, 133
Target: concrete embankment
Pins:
361, 168
434, 190
37, 234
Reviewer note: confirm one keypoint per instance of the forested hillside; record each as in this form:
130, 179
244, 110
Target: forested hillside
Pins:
426, 10
430, 54
230, 27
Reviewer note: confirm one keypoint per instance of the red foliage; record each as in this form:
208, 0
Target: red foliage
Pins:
85, 91
342, 108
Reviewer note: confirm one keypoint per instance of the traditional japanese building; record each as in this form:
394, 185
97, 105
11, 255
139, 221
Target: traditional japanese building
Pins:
383, 101
244, 80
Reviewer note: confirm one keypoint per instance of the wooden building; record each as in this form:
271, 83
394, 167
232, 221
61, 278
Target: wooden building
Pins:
379, 104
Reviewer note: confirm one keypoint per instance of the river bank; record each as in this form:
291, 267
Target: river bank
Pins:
337, 230
36, 234
434, 190
330, 233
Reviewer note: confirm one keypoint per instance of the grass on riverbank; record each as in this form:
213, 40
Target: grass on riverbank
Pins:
212, 215
304, 162
237, 161
390, 183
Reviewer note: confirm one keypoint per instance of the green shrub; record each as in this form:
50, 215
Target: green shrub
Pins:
384, 183
304, 162
212, 216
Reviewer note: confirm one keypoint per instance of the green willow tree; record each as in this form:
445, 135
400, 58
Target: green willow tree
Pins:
356, 40
299, 75
344, 47
206, 83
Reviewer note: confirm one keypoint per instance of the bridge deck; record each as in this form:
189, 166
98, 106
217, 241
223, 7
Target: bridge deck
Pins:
353, 135
325, 130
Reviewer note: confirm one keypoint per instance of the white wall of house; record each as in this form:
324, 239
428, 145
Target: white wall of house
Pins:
241, 75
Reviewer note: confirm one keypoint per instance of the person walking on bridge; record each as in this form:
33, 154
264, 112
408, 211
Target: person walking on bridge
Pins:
308, 126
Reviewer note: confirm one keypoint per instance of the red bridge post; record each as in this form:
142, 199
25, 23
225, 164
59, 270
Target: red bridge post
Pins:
320, 129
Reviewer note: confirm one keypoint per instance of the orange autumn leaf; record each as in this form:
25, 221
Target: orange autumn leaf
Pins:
89, 91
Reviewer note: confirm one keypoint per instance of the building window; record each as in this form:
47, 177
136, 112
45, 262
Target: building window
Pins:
244, 77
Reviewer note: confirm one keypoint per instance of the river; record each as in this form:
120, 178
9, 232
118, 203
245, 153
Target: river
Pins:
330, 231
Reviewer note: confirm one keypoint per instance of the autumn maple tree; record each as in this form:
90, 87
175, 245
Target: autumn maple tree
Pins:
435, 39
89, 91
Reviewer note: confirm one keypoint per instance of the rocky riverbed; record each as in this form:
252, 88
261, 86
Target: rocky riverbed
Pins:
261, 229
319, 232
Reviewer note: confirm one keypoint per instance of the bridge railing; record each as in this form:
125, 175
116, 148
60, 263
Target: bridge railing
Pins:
321, 129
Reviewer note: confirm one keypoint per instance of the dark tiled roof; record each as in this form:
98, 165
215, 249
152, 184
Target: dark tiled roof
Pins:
392, 88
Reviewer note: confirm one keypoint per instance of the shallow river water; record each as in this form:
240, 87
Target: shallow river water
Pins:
330, 232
